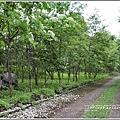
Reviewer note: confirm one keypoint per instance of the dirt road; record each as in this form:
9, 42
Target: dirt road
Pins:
76, 109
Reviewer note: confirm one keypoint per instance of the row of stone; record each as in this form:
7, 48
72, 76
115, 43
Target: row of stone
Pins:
45, 109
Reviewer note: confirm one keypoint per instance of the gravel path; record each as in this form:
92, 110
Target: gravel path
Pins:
76, 109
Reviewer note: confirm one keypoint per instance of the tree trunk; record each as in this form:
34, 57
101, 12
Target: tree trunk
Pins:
77, 69
59, 78
6, 64
89, 71
30, 73
73, 74
30, 79
17, 69
89, 74
10, 83
68, 74
23, 74
45, 78
51, 74
36, 77
96, 72
62, 74
6, 59
59, 56
76, 75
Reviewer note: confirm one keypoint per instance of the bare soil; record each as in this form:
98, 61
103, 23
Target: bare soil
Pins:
77, 108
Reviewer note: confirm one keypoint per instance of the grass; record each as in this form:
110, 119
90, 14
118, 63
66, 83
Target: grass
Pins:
4, 103
4, 114
22, 94
102, 106
44, 91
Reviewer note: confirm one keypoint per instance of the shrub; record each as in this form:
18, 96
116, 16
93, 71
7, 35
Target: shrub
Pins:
47, 91
4, 114
23, 98
4, 104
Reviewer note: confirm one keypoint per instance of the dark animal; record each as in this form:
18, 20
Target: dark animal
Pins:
8, 78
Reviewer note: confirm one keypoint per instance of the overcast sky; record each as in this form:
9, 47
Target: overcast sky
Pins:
109, 11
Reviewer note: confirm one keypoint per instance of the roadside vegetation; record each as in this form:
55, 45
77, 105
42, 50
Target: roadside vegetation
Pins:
22, 95
102, 106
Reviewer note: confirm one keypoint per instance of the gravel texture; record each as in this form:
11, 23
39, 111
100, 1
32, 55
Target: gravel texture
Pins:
45, 109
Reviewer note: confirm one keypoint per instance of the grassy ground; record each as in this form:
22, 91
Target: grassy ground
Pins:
102, 106
22, 94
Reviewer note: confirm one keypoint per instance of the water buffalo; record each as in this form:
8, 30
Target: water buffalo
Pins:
8, 78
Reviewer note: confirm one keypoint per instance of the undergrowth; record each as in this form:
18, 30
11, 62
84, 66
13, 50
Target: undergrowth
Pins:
23, 95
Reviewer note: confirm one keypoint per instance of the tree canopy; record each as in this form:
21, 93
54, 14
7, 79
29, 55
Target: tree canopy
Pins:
39, 39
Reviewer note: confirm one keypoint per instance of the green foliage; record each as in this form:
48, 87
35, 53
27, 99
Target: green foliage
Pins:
4, 104
4, 114
44, 91
23, 98
18, 96
50, 29
68, 86
23, 86
55, 86
20, 105
22, 95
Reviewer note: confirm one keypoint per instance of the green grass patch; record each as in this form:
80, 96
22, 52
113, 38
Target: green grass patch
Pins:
100, 108
22, 98
5, 104
4, 115
44, 91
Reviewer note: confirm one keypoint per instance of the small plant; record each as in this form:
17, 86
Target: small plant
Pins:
4, 114
33, 102
5, 104
25, 98
21, 106
47, 91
